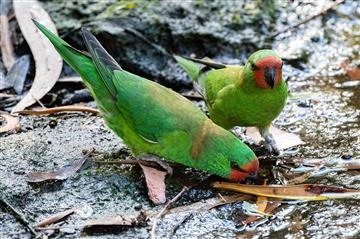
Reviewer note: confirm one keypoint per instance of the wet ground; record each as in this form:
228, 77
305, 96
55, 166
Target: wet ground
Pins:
324, 109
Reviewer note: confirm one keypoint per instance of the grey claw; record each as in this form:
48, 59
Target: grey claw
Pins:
270, 145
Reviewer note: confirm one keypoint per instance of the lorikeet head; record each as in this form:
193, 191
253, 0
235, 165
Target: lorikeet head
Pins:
249, 169
238, 174
265, 67
243, 162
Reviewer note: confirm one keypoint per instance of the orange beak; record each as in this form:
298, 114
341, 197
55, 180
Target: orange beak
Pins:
240, 174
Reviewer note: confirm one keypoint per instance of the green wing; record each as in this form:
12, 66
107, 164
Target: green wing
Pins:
149, 110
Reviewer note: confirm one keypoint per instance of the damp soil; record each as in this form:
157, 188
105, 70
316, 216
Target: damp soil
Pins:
323, 108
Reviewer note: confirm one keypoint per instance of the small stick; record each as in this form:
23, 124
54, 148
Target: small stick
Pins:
18, 215
59, 109
176, 227
307, 19
163, 211
55, 228
38, 101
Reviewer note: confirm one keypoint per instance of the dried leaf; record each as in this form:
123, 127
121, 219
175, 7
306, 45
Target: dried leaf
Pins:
48, 62
155, 182
115, 222
12, 123
17, 74
66, 108
55, 218
296, 192
351, 69
59, 174
7, 50
283, 139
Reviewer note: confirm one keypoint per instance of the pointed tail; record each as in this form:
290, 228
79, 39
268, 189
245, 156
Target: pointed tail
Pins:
82, 63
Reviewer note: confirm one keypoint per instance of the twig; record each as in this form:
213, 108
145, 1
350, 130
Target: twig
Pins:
55, 228
55, 218
307, 19
18, 215
59, 109
176, 227
38, 101
164, 210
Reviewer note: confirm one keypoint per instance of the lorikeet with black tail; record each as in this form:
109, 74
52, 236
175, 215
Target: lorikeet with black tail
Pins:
152, 119
249, 95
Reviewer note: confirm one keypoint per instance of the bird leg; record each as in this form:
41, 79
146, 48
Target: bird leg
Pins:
269, 141
159, 161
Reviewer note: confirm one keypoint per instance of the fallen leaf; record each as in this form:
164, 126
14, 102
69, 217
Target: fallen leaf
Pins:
155, 182
332, 163
59, 174
7, 50
283, 139
115, 222
17, 74
352, 70
12, 123
263, 206
66, 108
252, 210
47, 61
296, 192
55, 218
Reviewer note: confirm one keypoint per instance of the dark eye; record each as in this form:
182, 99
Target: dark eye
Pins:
254, 67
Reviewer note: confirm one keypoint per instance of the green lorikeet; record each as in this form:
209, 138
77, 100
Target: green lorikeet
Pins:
152, 119
249, 95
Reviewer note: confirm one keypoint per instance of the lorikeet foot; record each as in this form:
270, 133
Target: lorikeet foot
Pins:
269, 141
270, 144
158, 160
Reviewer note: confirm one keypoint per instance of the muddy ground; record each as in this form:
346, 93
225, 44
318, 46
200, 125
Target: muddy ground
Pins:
323, 108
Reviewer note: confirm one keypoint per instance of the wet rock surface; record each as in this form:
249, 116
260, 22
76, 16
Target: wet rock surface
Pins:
324, 115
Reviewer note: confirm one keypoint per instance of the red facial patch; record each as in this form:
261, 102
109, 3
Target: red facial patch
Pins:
237, 176
251, 167
269, 62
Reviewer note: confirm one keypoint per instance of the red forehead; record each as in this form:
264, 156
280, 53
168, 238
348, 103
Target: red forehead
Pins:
269, 61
